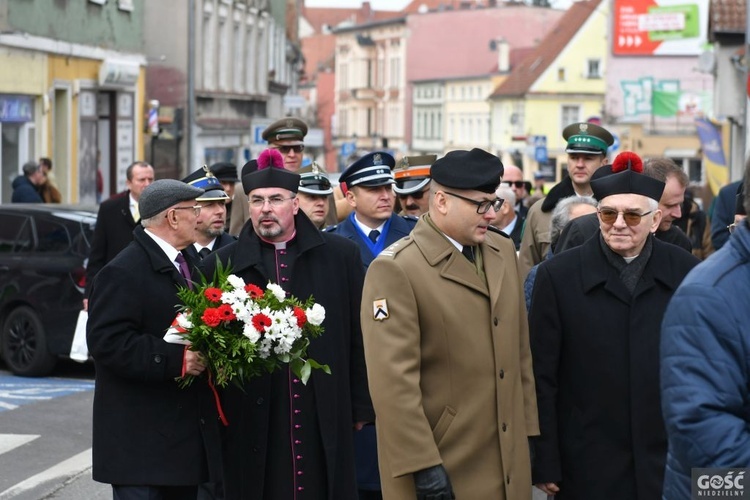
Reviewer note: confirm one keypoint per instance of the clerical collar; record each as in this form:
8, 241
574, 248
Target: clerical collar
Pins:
278, 245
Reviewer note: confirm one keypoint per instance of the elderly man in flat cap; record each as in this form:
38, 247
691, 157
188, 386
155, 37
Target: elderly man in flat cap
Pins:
285, 439
447, 347
412, 175
595, 323
210, 228
587, 150
152, 439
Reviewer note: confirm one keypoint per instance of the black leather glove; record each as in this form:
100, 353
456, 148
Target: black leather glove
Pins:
433, 484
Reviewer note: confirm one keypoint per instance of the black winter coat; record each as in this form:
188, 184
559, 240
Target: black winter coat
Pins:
147, 430
596, 363
329, 268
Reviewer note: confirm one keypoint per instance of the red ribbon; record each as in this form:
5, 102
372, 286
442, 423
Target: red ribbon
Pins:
222, 417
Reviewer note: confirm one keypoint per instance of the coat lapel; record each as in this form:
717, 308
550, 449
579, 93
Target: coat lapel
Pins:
494, 269
440, 253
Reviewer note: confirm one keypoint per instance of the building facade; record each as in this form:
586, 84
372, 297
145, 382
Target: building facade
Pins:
74, 93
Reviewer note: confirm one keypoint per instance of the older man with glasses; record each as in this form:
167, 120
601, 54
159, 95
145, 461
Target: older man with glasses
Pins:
595, 322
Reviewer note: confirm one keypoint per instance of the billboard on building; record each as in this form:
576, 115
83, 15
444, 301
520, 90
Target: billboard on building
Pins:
660, 27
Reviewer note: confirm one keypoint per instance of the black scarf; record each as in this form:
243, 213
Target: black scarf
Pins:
630, 274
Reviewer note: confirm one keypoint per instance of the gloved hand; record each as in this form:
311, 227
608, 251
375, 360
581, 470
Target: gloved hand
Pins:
433, 484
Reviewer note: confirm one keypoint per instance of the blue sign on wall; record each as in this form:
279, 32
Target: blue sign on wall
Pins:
540, 148
348, 148
16, 109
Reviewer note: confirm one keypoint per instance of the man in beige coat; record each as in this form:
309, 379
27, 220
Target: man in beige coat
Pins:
447, 347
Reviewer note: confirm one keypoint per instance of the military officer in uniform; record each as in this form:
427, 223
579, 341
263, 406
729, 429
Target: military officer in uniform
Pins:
314, 193
447, 347
210, 232
587, 145
373, 226
412, 186
226, 172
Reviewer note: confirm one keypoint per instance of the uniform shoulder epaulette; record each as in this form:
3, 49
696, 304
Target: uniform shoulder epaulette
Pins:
410, 218
396, 247
498, 231
330, 229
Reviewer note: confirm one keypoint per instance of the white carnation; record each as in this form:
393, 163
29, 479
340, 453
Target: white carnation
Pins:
236, 282
278, 292
251, 333
316, 314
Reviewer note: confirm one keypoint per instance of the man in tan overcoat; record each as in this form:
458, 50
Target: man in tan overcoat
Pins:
447, 347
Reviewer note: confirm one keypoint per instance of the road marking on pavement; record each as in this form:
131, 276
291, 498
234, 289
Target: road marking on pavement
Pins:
17, 391
10, 441
67, 468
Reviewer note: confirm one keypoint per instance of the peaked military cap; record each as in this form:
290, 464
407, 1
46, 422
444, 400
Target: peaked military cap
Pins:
204, 179
627, 177
373, 169
314, 180
412, 173
286, 129
476, 170
587, 138
225, 171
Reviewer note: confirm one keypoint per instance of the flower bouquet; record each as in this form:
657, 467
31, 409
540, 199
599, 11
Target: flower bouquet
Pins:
244, 331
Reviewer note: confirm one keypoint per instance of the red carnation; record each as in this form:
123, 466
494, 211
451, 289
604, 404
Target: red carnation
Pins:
261, 322
627, 160
211, 317
299, 313
254, 291
226, 312
213, 294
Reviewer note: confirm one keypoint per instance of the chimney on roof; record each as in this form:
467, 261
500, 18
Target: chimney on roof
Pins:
366, 10
503, 56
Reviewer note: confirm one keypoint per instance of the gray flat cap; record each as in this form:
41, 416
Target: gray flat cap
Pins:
164, 193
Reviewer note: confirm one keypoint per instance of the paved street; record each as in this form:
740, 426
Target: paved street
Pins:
45, 436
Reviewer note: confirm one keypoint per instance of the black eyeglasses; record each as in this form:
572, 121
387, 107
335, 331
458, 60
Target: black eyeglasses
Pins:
482, 206
632, 218
196, 210
274, 201
285, 149
518, 184
417, 196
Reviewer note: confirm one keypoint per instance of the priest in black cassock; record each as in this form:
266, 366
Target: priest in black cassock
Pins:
286, 440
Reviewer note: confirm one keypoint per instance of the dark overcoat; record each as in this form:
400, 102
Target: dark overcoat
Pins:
596, 362
221, 241
147, 430
401, 225
329, 268
113, 232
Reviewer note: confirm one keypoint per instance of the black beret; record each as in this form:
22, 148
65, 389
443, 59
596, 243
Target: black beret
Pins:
164, 193
252, 178
476, 170
225, 171
373, 169
286, 129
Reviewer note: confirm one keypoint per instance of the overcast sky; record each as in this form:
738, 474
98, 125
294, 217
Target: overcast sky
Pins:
389, 4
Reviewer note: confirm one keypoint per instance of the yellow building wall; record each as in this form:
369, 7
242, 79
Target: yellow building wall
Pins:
28, 74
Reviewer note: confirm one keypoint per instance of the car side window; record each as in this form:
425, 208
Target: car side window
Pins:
51, 237
15, 234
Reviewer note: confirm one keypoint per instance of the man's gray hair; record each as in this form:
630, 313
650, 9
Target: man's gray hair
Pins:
561, 214
506, 193
30, 168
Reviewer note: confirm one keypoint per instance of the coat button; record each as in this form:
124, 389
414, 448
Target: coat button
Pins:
255, 449
505, 427
502, 373
495, 321
259, 401
203, 422
157, 358
507, 479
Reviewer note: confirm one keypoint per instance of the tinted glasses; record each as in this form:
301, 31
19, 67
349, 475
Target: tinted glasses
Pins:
631, 217
417, 196
285, 149
518, 184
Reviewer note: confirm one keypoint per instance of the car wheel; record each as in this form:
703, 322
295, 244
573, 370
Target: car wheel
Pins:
24, 344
